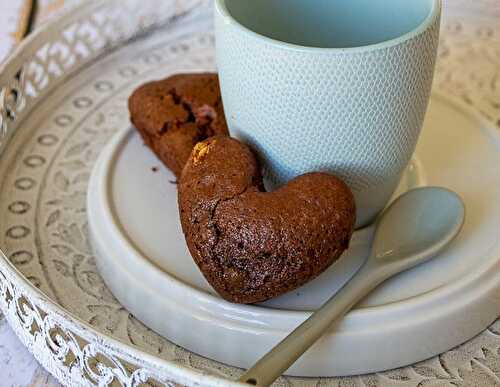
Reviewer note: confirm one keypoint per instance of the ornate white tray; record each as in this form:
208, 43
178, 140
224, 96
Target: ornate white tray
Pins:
50, 290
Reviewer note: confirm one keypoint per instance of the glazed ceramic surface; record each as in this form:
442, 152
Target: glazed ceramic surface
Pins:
327, 24
354, 111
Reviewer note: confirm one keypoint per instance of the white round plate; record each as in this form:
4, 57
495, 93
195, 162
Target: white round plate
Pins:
142, 255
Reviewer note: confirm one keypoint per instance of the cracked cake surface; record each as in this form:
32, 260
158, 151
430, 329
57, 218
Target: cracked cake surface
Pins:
174, 114
253, 245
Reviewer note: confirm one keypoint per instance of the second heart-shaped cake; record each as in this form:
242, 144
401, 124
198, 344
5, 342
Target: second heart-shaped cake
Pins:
253, 245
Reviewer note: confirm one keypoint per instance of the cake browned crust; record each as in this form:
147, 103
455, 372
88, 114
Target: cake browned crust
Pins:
252, 245
174, 114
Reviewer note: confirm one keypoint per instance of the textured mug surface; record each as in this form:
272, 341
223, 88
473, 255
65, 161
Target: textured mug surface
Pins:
354, 108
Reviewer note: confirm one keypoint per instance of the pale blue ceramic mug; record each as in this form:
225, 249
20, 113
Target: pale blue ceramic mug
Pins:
329, 85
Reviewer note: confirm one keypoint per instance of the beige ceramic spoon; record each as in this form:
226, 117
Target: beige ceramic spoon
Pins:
412, 230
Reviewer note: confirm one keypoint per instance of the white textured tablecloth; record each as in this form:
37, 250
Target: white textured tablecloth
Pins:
468, 67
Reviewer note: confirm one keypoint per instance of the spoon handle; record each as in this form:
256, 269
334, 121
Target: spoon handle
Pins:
283, 355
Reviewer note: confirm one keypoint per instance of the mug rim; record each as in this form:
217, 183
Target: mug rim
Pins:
434, 14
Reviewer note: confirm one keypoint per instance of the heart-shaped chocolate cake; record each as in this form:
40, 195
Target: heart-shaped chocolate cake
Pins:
253, 245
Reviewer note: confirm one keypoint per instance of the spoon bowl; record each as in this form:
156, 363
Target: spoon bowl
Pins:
416, 227
412, 230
